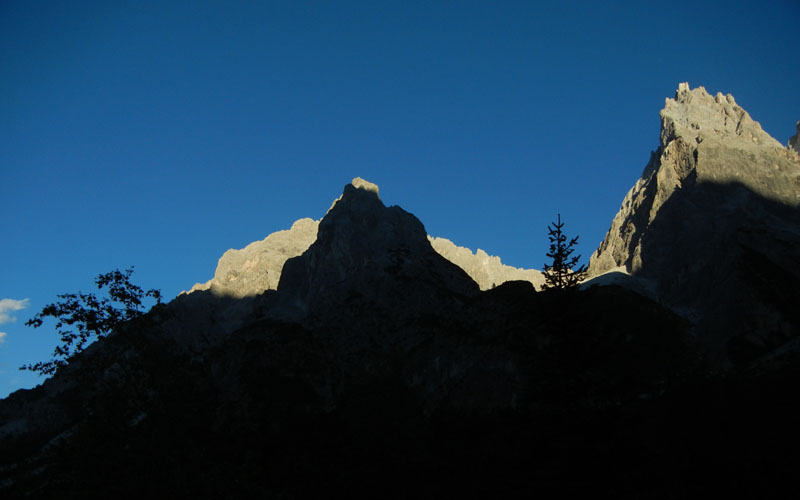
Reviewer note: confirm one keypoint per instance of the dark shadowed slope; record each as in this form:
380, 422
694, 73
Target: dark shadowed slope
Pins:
376, 363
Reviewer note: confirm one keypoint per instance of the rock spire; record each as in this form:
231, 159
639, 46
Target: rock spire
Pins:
366, 249
712, 220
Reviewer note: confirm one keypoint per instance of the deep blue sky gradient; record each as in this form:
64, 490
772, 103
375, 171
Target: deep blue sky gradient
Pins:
160, 134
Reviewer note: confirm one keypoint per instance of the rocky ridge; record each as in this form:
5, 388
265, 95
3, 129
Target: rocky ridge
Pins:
487, 270
715, 211
257, 267
703, 139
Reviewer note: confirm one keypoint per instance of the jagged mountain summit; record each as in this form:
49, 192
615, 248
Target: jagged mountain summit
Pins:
257, 267
367, 250
713, 226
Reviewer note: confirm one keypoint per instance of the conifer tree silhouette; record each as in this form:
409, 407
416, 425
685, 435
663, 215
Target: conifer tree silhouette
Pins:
560, 274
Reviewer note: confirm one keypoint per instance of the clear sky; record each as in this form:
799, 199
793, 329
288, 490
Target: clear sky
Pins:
160, 134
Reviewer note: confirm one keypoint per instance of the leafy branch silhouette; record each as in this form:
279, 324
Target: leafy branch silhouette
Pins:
82, 318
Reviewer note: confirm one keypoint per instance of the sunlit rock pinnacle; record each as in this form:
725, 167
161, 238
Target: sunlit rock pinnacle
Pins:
714, 215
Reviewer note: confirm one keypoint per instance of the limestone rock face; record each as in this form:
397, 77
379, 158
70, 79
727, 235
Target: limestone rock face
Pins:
257, 267
487, 270
713, 222
704, 139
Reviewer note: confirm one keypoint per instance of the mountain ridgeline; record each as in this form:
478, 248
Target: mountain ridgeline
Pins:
358, 356
713, 226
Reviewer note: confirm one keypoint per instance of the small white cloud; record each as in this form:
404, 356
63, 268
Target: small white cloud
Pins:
7, 306
2, 338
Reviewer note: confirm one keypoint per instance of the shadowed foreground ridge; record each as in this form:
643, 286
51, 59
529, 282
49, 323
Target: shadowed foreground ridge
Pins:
379, 369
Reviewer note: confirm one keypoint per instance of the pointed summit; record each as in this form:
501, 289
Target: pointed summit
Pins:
713, 224
360, 183
365, 249
704, 139
695, 116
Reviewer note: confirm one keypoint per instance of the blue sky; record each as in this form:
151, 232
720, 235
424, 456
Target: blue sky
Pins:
160, 134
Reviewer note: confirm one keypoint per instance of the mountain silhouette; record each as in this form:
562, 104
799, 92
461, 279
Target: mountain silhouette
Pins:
378, 368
